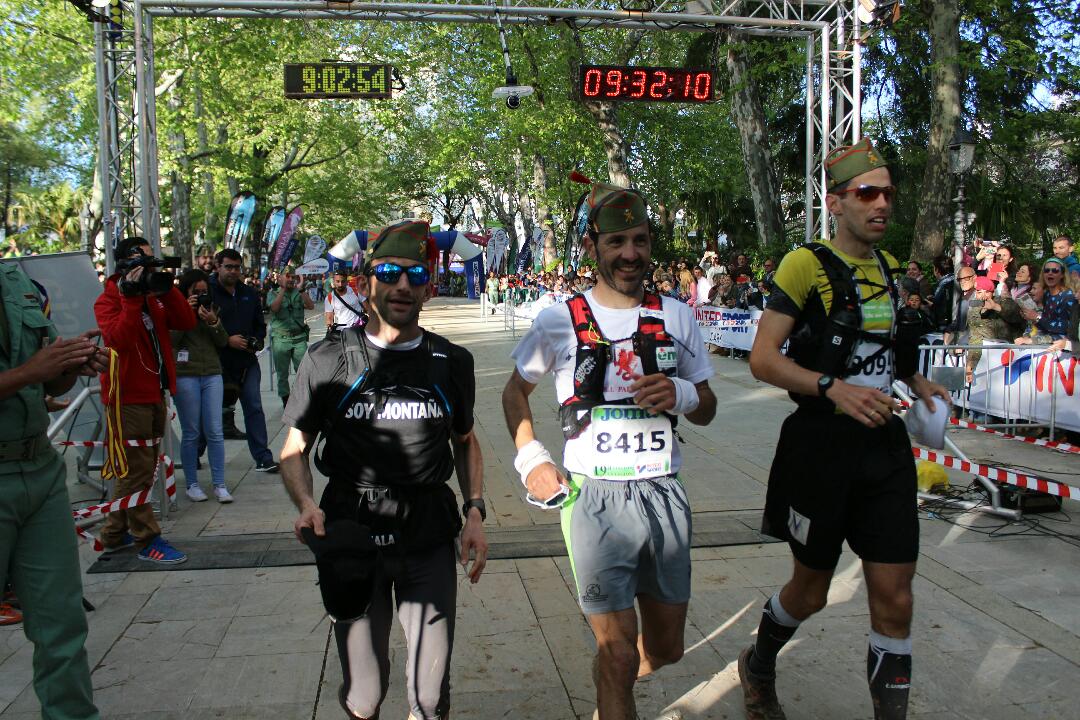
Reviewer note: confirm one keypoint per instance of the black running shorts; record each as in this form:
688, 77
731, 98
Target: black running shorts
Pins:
834, 479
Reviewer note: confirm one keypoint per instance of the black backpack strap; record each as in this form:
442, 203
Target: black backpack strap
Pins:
357, 362
438, 351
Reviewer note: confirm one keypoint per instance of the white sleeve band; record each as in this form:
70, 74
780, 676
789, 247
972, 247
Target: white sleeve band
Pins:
529, 456
686, 396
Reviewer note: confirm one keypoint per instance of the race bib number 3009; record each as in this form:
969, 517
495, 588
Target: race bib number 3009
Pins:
628, 443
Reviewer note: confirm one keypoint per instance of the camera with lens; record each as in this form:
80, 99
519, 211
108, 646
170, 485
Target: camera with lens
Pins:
205, 301
152, 280
254, 344
513, 102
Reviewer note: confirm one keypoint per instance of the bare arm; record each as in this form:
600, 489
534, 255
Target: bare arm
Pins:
869, 406
296, 475
275, 304
706, 409
544, 481
515, 399
329, 318
469, 465
309, 304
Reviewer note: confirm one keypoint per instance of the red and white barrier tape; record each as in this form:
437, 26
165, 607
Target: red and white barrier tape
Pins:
997, 474
1052, 444
99, 443
135, 499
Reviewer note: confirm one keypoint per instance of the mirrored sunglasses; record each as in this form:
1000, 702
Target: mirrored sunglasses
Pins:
389, 273
869, 193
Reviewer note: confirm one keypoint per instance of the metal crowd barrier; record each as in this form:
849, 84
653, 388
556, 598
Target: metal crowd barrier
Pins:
946, 364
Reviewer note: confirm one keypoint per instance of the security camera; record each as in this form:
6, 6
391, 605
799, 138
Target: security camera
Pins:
512, 94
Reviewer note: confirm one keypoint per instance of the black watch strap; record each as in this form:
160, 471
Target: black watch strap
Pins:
477, 503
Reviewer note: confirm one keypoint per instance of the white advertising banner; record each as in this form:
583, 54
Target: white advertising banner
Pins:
730, 328
1030, 384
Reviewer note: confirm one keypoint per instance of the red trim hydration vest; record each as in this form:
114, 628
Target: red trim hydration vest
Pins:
594, 356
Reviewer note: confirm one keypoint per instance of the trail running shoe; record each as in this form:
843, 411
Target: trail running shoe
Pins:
222, 494
125, 542
759, 696
195, 494
161, 552
9, 615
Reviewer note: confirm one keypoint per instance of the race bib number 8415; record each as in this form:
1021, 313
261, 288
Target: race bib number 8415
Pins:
628, 443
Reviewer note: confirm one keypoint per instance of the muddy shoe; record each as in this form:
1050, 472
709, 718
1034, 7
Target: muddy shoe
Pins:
759, 696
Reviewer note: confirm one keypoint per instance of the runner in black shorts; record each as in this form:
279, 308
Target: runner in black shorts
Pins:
843, 468
394, 405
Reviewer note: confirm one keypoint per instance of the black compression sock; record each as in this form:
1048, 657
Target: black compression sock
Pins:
888, 672
776, 628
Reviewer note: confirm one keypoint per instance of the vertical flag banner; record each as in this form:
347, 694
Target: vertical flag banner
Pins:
288, 240
271, 228
238, 222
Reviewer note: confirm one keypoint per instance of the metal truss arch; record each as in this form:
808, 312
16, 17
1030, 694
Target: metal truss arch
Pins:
125, 72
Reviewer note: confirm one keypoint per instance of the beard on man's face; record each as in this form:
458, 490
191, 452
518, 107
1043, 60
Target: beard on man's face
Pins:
397, 308
622, 275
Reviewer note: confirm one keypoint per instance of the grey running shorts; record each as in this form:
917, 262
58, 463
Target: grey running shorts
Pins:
627, 538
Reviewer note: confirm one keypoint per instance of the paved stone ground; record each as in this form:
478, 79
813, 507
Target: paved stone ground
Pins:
997, 633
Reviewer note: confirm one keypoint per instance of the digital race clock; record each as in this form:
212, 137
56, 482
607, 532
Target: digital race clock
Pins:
657, 84
337, 80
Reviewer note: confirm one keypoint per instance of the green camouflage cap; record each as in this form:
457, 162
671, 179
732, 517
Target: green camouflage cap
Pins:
850, 161
613, 208
406, 239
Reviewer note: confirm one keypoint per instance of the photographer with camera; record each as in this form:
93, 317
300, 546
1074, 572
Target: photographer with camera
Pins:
135, 313
288, 329
199, 387
241, 314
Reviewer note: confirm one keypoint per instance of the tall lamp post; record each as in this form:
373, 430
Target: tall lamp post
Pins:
961, 160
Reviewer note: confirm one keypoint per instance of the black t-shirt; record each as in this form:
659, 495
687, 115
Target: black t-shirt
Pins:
396, 432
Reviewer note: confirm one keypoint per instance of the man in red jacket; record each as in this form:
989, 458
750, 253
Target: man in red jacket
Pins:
135, 313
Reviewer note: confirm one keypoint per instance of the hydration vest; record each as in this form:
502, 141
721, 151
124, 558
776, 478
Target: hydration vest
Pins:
650, 342
827, 343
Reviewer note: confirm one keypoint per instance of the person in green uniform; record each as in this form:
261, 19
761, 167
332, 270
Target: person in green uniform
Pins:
37, 537
288, 331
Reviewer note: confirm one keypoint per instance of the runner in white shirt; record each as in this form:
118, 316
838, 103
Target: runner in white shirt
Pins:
343, 306
625, 364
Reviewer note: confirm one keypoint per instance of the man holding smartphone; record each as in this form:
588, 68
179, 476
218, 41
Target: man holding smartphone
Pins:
241, 314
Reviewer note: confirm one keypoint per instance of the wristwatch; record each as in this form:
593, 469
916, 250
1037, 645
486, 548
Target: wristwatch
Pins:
477, 503
824, 383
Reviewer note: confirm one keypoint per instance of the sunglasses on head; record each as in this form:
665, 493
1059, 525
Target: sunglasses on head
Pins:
869, 193
390, 273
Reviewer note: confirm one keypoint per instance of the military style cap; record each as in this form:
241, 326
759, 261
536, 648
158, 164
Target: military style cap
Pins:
850, 161
406, 239
613, 208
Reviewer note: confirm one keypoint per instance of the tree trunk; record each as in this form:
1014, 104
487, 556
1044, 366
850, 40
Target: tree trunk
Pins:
615, 146
757, 156
667, 215
935, 197
543, 210
180, 219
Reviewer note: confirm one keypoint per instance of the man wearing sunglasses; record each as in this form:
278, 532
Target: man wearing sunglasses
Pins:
843, 468
625, 364
394, 405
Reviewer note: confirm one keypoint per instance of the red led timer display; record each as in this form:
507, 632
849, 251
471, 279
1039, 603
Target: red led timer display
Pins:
647, 84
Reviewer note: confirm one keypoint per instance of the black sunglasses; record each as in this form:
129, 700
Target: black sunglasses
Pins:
1051, 271
389, 273
869, 193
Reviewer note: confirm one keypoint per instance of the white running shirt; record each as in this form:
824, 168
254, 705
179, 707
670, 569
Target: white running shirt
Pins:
550, 345
342, 315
